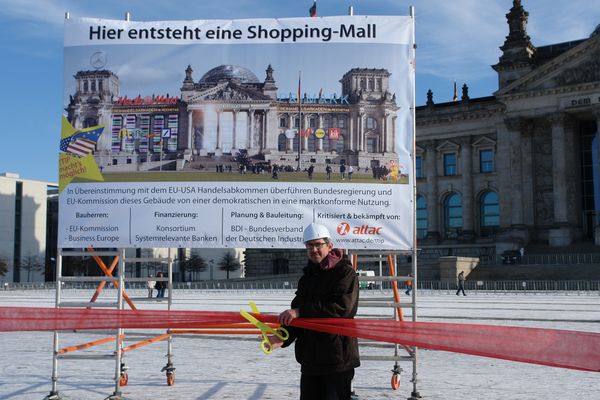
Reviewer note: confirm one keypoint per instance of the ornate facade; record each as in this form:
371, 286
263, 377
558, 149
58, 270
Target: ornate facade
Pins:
520, 166
228, 111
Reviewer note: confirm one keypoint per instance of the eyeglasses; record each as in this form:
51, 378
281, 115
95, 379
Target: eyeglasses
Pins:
316, 246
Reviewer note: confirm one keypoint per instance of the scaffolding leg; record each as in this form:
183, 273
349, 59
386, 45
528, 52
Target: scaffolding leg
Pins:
124, 377
53, 396
169, 371
414, 395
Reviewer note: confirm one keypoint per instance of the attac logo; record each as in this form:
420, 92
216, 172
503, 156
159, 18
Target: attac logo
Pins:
344, 228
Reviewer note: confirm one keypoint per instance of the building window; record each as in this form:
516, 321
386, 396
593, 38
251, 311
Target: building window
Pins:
283, 122
340, 144
312, 123
312, 143
450, 164
341, 122
297, 122
281, 141
421, 217
489, 210
85, 86
372, 144
419, 167
94, 86
371, 123
486, 161
453, 216
327, 144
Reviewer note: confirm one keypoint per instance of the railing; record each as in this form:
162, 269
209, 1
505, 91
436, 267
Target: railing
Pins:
541, 286
515, 286
557, 259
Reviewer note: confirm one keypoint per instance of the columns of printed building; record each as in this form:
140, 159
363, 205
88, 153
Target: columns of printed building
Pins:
264, 143
349, 145
289, 146
433, 206
250, 130
304, 125
319, 146
467, 187
360, 131
383, 133
389, 132
190, 141
219, 145
560, 235
234, 133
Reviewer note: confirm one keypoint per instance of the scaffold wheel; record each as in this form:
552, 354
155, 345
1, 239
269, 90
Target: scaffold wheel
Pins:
124, 379
170, 378
395, 381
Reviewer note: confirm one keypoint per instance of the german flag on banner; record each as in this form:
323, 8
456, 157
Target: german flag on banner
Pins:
299, 84
306, 132
312, 11
334, 133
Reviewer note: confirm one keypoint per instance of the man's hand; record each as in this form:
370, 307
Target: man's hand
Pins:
274, 341
286, 317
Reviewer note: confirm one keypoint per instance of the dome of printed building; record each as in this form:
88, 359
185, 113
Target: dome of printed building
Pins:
229, 72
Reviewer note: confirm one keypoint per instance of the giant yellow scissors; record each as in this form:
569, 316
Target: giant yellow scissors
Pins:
265, 329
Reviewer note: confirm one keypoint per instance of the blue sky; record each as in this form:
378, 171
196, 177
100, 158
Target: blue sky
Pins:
456, 41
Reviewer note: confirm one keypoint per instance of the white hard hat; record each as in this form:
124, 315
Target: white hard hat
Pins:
316, 231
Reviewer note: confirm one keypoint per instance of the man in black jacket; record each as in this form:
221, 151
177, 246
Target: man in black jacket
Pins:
327, 289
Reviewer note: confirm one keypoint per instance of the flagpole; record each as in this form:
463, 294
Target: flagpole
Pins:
300, 125
414, 395
161, 154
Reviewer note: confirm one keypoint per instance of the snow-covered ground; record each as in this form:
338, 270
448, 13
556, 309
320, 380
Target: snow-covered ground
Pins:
227, 367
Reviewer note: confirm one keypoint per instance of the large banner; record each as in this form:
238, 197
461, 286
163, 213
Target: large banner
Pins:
237, 133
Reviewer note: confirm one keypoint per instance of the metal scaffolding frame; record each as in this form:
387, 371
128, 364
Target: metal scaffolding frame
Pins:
380, 256
115, 274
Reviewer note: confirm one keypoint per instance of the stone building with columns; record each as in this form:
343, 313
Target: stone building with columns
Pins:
230, 111
520, 166
505, 171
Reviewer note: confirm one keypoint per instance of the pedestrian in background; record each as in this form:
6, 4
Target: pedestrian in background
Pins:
461, 283
150, 285
310, 171
409, 284
160, 286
